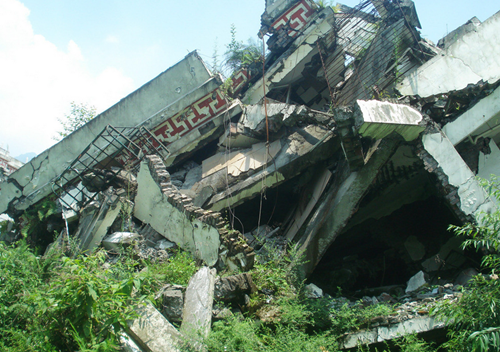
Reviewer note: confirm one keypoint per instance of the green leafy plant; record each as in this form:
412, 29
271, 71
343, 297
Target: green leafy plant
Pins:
79, 115
474, 319
240, 55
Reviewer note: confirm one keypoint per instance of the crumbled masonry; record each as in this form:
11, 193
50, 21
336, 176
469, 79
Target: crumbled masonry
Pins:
365, 147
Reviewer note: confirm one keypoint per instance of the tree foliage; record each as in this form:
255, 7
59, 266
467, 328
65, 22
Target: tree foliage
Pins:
80, 114
475, 318
240, 55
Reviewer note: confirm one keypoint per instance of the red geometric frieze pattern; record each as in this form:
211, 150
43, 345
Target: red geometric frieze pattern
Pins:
190, 118
239, 79
296, 18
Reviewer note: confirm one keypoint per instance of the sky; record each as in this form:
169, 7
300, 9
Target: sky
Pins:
54, 52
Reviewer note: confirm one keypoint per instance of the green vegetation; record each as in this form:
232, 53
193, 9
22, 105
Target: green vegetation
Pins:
475, 318
57, 303
80, 114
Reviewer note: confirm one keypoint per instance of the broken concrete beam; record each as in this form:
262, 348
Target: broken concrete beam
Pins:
483, 115
198, 302
152, 332
473, 198
33, 181
116, 241
278, 114
378, 119
95, 220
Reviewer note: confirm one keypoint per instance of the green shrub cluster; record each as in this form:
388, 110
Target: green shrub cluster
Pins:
57, 303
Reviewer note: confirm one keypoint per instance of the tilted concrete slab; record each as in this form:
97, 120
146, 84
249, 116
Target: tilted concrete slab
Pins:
470, 59
299, 150
32, 182
198, 302
152, 206
378, 119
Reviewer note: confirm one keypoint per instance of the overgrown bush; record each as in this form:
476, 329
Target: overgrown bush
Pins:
57, 303
475, 318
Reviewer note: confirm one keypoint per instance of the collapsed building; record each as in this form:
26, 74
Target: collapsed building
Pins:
356, 139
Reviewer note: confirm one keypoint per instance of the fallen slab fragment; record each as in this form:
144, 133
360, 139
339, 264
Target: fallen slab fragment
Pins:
417, 281
393, 331
152, 332
96, 218
197, 313
116, 241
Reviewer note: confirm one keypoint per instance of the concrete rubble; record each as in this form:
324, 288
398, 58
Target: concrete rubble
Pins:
197, 312
363, 150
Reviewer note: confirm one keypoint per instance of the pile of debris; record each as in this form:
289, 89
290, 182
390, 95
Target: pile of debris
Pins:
353, 134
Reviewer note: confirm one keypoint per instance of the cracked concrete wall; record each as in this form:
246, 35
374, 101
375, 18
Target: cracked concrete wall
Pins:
32, 182
202, 232
470, 59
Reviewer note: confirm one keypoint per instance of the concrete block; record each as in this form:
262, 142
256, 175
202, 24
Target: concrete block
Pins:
416, 282
117, 240
378, 119
233, 288
198, 302
313, 291
172, 298
153, 332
